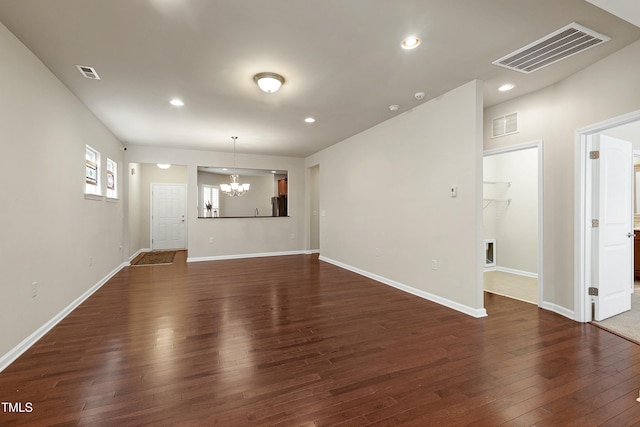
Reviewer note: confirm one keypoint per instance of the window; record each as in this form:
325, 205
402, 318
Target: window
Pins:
92, 172
505, 125
112, 179
210, 201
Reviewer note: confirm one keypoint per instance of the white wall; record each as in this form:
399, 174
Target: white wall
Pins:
513, 224
235, 236
602, 91
50, 229
385, 205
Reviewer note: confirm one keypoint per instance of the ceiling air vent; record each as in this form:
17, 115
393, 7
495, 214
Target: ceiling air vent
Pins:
561, 44
88, 72
505, 125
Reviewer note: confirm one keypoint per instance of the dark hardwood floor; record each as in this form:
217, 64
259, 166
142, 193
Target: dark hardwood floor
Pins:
292, 341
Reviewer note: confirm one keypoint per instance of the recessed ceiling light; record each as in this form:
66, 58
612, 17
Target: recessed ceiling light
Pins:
273, 171
164, 165
506, 87
310, 120
394, 107
176, 102
410, 42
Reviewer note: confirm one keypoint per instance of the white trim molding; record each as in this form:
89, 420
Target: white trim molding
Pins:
241, 256
563, 311
516, 272
8, 358
132, 257
582, 188
478, 313
539, 145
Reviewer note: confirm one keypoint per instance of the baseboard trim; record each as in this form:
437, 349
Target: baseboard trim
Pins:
563, 311
142, 250
241, 256
8, 358
411, 290
517, 272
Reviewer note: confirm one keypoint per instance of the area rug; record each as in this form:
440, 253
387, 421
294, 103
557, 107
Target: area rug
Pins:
154, 258
627, 324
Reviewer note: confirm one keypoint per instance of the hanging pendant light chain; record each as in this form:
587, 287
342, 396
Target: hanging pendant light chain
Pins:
234, 189
235, 169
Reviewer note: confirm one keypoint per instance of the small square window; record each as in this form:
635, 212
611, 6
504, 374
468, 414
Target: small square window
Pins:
112, 179
92, 172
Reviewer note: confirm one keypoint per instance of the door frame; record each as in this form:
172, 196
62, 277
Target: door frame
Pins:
186, 223
539, 144
310, 195
582, 227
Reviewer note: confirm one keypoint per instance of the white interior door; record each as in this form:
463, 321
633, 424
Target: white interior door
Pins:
613, 238
168, 207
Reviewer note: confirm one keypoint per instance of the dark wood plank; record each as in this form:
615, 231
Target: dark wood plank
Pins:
292, 341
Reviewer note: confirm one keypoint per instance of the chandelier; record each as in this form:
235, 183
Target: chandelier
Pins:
234, 189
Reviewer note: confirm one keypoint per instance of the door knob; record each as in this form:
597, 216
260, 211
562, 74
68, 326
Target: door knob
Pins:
630, 235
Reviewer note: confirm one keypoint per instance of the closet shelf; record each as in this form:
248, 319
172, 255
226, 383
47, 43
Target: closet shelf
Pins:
507, 183
487, 202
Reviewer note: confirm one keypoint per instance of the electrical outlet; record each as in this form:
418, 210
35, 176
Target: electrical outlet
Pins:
90, 261
34, 289
292, 236
210, 240
435, 264
377, 252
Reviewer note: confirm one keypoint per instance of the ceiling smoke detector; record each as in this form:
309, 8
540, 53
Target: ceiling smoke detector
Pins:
394, 107
419, 96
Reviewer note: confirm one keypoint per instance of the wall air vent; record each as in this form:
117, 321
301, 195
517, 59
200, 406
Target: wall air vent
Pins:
88, 72
561, 44
505, 125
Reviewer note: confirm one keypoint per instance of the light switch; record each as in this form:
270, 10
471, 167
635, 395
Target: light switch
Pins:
453, 191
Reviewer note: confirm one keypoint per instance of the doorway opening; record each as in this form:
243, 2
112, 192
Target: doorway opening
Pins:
588, 272
512, 217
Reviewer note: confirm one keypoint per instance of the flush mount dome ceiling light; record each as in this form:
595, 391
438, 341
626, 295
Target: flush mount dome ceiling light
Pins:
269, 82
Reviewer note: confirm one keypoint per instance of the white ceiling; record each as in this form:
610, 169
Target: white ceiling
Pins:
341, 59
629, 10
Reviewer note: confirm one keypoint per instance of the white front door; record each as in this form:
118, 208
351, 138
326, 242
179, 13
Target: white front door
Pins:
613, 237
168, 208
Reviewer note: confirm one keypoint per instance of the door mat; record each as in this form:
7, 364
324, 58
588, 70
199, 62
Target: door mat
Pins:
154, 258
